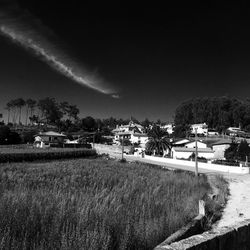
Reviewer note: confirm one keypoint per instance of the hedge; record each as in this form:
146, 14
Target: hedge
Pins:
47, 155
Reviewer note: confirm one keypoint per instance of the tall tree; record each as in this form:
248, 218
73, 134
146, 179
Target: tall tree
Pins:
158, 140
73, 112
50, 110
30, 105
20, 103
8, 108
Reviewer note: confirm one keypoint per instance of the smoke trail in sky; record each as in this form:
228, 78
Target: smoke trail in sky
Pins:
21, 27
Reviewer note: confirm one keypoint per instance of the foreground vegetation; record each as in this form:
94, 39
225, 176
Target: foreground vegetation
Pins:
93, 204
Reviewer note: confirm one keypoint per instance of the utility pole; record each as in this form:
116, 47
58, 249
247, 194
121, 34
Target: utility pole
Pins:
94, 140
196, 153
122, 146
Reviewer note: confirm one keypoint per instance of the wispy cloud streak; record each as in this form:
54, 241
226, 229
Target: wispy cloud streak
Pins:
22, 28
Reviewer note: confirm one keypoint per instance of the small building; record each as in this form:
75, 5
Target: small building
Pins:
202, 128
136, 128
186, 153
50, 138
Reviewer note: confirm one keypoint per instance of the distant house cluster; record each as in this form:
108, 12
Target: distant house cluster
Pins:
132, 132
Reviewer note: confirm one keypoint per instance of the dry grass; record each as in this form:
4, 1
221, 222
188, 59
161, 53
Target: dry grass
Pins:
93, 204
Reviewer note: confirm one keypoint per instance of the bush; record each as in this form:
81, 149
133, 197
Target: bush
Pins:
225, 162
8, 137
28, 136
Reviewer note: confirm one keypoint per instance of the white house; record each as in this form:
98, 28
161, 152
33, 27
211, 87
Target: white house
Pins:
202, 128
185, 153
139, 138
169, 128
45, 139
137, 128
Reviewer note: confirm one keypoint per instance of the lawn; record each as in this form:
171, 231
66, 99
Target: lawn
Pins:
93, 204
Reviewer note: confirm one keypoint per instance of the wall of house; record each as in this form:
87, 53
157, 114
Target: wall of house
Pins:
186, 155
219, 150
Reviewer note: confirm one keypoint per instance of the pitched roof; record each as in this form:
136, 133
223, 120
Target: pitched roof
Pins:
51, 133
182, 141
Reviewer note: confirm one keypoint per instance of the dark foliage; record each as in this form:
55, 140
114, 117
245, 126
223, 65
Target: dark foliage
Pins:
237, 151
218, 112
8, 137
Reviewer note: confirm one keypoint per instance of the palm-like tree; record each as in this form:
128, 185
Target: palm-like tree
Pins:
158, 140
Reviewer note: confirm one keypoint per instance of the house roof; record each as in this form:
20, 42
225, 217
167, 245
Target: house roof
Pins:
51, 133
200, 150
182, 141
125, 133
194, 142
222, 141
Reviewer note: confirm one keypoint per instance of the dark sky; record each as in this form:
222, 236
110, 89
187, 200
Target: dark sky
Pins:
156, 56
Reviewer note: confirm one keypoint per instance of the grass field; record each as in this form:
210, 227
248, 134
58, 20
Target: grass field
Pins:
93, 204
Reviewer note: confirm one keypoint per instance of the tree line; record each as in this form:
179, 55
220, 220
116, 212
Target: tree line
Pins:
45, 110
218, 112
63, 115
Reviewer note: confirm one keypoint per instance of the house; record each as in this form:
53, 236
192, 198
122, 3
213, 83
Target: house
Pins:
137, 128
138, 138
189, 143
50, 138
202, 128
185, 153
212, 132
184, 148
234, 131
169, 128
132, 132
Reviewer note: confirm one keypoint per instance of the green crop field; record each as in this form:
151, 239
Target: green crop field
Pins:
93, 204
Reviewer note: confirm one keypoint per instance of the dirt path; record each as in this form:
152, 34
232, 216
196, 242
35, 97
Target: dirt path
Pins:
238, 205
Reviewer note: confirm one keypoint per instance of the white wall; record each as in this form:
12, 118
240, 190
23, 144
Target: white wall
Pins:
219, 150
186, 155
208, 166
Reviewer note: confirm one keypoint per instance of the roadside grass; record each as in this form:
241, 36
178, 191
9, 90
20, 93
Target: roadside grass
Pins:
94, 204
216, 201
